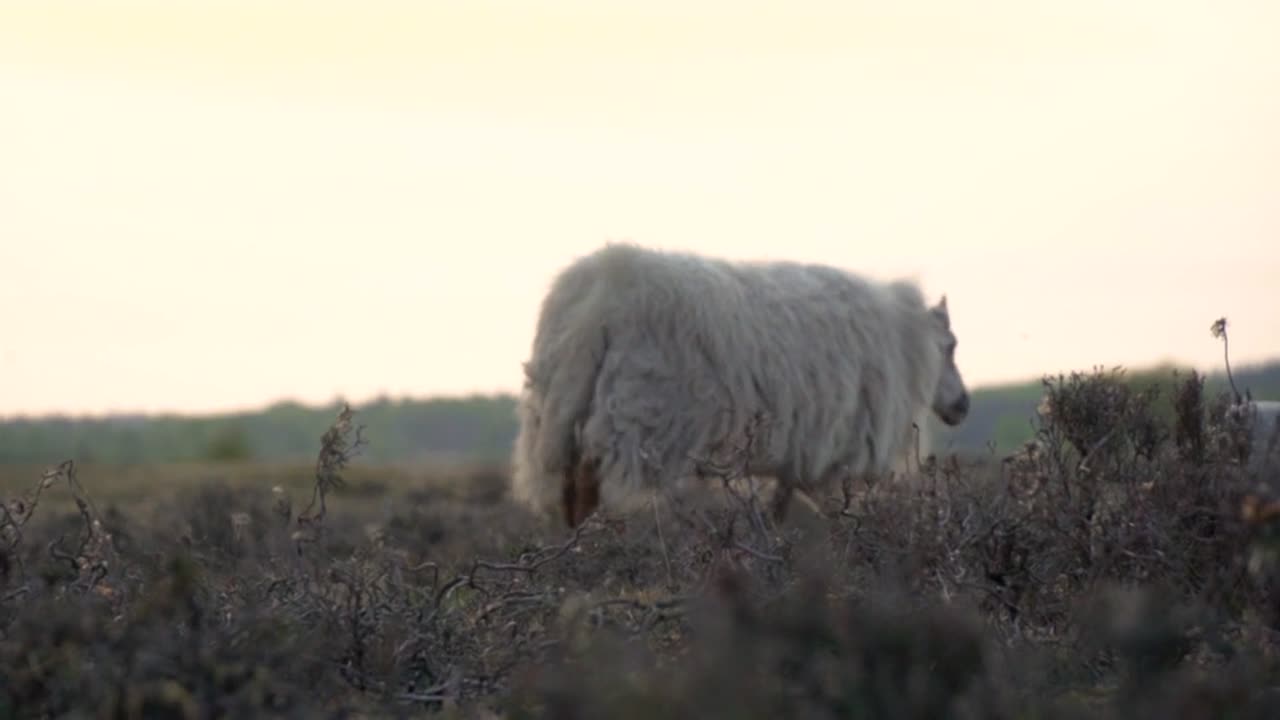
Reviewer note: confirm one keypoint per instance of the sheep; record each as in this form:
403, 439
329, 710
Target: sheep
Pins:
645, 363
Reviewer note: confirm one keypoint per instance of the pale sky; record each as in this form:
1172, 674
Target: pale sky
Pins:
209, 206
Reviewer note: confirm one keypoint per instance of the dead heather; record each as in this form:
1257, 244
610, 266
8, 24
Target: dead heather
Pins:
1122, 566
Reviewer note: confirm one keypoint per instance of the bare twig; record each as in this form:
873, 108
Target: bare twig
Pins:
1219, 330
532, 566
662, 542
756, 553
1083, 464
337, 448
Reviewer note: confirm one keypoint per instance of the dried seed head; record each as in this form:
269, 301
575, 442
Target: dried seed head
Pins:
1218, 328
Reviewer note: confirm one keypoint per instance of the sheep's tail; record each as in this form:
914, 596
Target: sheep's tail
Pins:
557, 397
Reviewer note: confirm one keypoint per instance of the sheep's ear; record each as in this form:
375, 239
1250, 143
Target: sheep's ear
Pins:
939, 311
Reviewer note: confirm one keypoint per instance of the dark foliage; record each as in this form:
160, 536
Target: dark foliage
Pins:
1123, 565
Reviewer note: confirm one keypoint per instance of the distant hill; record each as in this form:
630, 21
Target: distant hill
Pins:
479, 428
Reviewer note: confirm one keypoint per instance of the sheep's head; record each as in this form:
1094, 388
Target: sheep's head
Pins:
950, 395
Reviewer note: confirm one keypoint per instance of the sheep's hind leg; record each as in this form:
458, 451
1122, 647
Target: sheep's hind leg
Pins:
569, 494
580, 491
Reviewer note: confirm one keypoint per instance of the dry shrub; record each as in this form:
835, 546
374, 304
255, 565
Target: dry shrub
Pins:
806, 655
1124, 566
1189, 418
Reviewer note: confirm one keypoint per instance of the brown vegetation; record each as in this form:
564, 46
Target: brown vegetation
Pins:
1123, 566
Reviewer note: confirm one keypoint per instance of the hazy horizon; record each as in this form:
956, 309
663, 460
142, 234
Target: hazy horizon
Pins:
357, 401
217, 207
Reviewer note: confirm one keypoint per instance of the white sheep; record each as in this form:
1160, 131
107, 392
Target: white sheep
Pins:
645, 363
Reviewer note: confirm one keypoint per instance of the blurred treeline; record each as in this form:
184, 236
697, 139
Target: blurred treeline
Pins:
465, 428
469, 429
